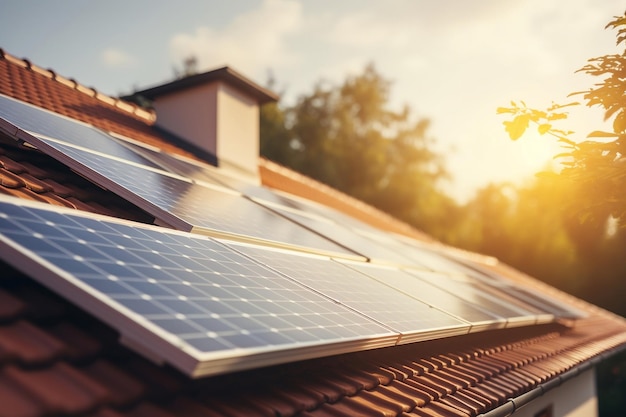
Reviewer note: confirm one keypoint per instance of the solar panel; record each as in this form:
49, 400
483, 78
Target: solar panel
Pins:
515, 312
414, 319
265, 196
36, 120
420, 254
188, 168
186, 299
543, 302
296, 210
346, 237
201, 172
184, 205
459, 306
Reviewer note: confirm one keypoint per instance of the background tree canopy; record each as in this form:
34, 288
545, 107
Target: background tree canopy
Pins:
567, 229
598, 164
347, 136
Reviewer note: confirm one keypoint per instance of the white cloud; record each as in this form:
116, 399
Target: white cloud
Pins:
117, 59
254, 41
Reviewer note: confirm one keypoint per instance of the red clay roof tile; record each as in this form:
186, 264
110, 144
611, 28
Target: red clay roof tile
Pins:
470, 401
149, 410
104, 412
60, 389
80, 346
23, 342
16, 402
123, 388
185, 406
10, 306
35, 184
11, 180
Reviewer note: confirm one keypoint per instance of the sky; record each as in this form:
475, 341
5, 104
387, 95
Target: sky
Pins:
452, 61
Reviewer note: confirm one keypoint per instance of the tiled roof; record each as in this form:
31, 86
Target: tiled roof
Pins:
57, 360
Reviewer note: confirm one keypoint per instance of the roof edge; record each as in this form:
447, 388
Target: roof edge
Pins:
226, 74
118, 103
511, 405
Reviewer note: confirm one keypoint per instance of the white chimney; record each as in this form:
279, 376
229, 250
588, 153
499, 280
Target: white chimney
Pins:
216, 112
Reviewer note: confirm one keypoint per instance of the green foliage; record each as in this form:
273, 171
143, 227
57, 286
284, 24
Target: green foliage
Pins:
598, 164
522, 226
347, 137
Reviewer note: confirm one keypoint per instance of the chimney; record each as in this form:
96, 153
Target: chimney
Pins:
216, 112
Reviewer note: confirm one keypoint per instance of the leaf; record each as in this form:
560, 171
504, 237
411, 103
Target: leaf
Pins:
517, 126
543, 128
556, 106
568, 141
619, 124
600, 134
501, 110
557, 116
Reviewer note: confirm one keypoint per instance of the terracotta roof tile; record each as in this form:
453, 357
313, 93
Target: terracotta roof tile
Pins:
416, 395
23, 342
80, 346
60, 389
10, 306
104, 412
146, 409
184, 406
468, 400
16, 402
279, 405
123, 388
35, 184
330, 390
159, 385
11, 180
300, 397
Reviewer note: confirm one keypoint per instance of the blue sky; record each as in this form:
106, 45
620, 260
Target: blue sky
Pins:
453, 61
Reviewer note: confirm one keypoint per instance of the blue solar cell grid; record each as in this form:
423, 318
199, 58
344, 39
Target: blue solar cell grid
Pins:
209, 296
359, 292
42, 122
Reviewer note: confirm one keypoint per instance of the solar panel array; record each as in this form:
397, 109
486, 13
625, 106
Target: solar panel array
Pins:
191, 292
174, 200
280, 279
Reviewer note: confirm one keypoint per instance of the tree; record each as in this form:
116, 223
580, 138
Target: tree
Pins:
595, 170
347, 136
598, 164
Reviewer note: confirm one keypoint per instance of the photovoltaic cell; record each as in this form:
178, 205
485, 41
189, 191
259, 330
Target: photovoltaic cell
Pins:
542, 302
419, 254
45, 123
193, 170
197, 171
180, 296
476, 314
414, 319
346, 237
517, 312
193, 207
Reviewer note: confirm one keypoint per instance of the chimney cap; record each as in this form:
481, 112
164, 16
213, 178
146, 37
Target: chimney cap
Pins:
225, 74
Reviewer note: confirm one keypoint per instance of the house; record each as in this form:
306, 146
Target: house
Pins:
103, 199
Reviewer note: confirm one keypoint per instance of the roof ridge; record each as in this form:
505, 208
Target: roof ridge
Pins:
116, 102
